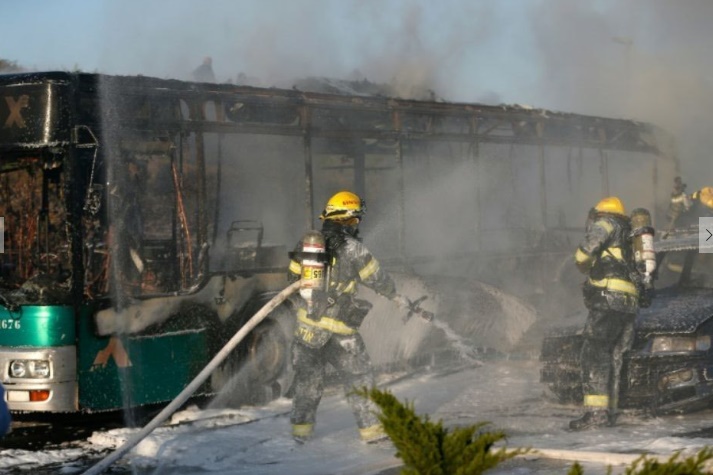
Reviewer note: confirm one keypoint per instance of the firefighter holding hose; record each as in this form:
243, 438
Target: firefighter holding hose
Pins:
332, 263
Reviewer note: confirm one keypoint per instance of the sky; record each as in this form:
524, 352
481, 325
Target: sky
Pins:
641, 59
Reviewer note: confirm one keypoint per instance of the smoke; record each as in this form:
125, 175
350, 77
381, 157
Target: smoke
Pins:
411, 45
643, 60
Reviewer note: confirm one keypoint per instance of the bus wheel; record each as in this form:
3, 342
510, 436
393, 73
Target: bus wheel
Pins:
254, 373
267, 350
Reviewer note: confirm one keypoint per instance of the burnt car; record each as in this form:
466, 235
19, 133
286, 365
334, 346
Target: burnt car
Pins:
669, 367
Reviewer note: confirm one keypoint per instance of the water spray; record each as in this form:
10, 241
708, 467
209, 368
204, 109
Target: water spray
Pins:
197, 381
460, 344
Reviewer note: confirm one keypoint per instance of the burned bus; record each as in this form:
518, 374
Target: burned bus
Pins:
145, 220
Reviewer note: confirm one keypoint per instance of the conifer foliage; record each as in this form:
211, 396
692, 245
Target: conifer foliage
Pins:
427, 447
693, 465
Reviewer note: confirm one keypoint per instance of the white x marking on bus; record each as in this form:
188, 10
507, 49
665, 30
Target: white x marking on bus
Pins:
15, 117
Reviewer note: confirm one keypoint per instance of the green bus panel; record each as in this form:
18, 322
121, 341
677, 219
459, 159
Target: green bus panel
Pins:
121, 371
37, 326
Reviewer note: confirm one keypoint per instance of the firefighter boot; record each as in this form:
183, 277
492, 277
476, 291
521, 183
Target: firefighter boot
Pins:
302, 433
373, 434
591, 419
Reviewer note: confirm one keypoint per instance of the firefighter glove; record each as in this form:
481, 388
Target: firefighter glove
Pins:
402, 302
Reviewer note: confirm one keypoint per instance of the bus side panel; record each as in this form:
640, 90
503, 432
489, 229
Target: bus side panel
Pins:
120, 371
37, 326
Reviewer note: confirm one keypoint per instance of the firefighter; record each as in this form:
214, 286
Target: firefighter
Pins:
699, 205
702, 203
611, 296
329, 332
679, 203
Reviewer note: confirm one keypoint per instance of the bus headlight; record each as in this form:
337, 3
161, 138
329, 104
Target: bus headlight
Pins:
41, 369
18, 369
30, 369
680, 344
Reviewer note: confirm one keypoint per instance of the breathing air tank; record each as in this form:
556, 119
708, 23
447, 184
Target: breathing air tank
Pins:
313, 280
643, 242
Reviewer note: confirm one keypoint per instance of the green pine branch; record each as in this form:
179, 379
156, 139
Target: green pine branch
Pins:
693, 465
427, 447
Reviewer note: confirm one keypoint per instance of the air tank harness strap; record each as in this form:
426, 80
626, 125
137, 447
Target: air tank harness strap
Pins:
325, 323
615, 252
584, 261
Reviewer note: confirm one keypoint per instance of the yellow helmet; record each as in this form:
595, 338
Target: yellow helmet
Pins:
705, 195
610, 204
344, 206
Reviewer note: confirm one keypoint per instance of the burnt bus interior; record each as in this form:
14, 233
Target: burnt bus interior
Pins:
33, 205
136, 186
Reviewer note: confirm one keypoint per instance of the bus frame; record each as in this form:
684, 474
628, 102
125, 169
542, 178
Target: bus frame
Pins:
74, 331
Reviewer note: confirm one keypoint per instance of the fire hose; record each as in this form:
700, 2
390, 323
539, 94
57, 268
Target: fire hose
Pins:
197, 381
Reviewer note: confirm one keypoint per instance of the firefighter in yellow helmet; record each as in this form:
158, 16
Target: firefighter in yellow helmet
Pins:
701, 204
679, 204
612, 298
698, 205
331, 336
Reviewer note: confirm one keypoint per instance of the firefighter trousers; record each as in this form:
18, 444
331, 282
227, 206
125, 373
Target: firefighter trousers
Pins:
348, 355
607, 336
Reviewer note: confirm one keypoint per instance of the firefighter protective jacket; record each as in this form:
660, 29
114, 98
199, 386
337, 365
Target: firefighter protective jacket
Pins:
678, 205
606, 255
350, 264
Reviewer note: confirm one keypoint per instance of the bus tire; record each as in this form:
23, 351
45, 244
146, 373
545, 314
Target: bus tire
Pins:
257, 370
267, 352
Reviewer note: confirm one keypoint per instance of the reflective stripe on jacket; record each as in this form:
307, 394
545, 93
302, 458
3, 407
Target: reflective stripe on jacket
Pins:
325, 323
606, 255
606, 251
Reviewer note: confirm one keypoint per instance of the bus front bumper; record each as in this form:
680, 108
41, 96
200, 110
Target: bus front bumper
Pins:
56, 393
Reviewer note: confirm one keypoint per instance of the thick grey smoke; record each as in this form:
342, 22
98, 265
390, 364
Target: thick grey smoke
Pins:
273, 42
644, 60
641, 59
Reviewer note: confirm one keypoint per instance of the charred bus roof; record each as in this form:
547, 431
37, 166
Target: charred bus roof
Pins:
40, 109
